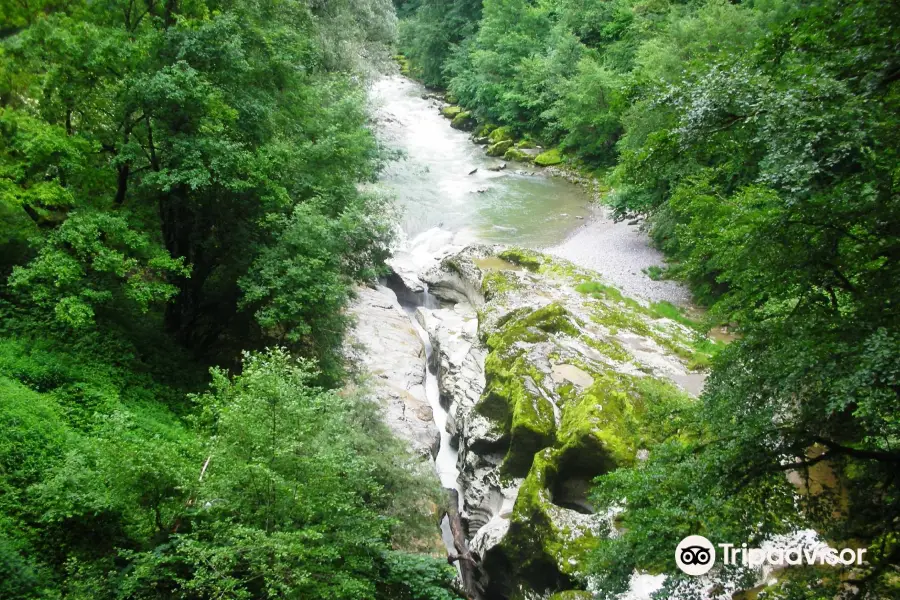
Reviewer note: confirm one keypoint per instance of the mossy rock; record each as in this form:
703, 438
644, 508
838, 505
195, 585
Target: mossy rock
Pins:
404, 64
522, 257
499, 148
484, 130
501, 134
541, 541
463, 121
599, 430
533, 326
516, 154
532, 429
526, 144
548, 158
496, 283
451, 98
451, 111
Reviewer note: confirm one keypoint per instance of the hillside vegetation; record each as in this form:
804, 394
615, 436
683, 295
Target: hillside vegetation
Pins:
178, 184
760, 141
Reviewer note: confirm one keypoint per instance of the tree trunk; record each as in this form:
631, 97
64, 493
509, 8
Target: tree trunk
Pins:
467, 563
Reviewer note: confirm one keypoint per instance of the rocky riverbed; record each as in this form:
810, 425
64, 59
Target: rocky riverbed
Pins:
537, 372
547, 375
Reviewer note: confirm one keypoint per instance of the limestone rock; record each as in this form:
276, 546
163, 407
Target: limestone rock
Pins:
385, 345
547, 373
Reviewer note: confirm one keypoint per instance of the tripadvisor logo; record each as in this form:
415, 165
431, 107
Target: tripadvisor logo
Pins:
696, 555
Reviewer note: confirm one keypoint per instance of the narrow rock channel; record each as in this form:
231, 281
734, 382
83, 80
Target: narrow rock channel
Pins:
532, 374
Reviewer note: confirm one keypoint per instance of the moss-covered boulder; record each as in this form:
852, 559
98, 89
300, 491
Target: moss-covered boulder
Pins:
484, 130
517, 155
463, 121
570, 369
501, 134
548, 158
451, 111
525, 144
499, 148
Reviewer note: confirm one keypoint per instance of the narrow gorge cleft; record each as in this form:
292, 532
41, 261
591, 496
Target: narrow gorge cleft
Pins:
540, 378
537, 373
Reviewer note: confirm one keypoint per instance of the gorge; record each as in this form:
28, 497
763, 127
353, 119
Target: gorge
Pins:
536, 376
589, 289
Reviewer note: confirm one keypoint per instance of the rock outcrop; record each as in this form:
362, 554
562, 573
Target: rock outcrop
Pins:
548, 376
392, 359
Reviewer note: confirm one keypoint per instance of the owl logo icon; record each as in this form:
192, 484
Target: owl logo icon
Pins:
695, 555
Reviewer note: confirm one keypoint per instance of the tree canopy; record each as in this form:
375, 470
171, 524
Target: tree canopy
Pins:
181, 181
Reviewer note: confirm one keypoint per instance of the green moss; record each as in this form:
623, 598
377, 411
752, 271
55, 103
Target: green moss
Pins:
601, 427
496, 283
451, 111
451, 98
534, 326
526, 143
452, 265
517, 155
501, 134
667, 310
462, 120
697, 351
533, 542
599, 290
403, 62
526, 258
550, 157
498, 148
484, 130
532, 428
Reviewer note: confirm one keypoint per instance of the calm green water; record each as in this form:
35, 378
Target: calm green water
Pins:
434, 188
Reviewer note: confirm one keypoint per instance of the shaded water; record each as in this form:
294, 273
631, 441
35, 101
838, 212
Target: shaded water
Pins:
434, 188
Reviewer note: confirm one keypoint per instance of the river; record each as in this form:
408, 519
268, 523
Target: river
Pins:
448, 196
437, 191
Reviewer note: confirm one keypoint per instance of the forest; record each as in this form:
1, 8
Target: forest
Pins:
185, 208
759, 141
179, 191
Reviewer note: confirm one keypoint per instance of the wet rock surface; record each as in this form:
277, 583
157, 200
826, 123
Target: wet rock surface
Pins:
390, 354
547, 374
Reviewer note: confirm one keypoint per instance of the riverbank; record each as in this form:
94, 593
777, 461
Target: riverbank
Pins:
619, 251
449, 188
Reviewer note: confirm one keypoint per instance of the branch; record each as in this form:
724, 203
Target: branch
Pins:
879, 455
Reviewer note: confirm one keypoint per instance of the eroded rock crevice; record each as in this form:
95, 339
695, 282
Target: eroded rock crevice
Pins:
546, 375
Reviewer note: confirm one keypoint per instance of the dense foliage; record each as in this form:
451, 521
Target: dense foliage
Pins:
160, 155
180, 181
760, 139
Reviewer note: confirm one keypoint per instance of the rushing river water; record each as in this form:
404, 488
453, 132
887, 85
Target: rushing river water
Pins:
437, 190
434, 186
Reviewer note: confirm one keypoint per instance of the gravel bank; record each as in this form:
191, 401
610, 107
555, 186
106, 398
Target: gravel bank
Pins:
620, 253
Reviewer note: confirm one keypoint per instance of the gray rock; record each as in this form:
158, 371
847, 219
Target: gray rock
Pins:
391, 358
571, 358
